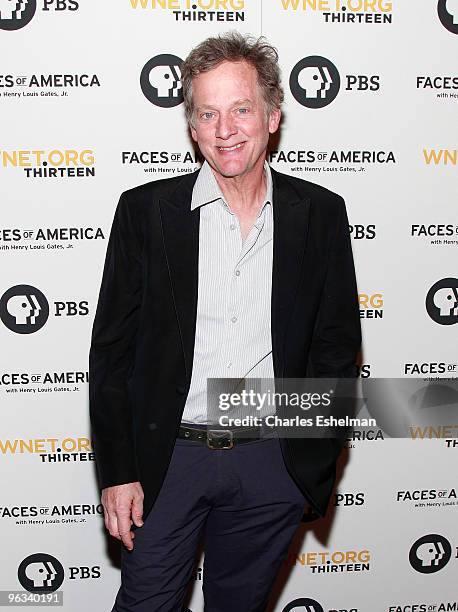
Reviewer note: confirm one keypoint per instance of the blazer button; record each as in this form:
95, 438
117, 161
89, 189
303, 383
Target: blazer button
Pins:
181, 389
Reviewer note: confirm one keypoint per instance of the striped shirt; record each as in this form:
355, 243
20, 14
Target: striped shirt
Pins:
233, 326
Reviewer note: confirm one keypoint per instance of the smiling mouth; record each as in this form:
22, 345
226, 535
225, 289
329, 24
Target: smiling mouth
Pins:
229, 149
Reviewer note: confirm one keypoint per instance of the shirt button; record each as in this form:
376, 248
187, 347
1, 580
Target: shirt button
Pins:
237, 273
229, 364
234, 319
232, 226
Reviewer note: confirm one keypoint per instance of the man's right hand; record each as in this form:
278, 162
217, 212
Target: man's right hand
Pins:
123, 506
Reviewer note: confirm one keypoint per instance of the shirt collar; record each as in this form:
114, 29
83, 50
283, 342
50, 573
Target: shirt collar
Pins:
207, 190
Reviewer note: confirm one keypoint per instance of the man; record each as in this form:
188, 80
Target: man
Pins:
231, 271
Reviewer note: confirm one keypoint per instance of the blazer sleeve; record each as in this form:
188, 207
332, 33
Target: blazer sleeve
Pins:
112, 352
337, 333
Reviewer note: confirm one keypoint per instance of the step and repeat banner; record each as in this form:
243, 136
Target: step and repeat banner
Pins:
91, 105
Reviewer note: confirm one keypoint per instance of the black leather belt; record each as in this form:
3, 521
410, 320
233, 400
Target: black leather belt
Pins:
218, 439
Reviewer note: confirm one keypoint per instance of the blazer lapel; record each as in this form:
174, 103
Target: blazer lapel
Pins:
291, 219
180, 230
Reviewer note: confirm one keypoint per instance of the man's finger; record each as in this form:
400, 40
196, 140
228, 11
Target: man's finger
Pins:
125, 533
112, 527
127, 540
137, 511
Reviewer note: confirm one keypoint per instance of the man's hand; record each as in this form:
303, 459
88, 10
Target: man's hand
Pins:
123, 506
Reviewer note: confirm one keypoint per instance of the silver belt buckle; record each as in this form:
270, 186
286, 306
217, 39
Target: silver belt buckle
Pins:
214, 435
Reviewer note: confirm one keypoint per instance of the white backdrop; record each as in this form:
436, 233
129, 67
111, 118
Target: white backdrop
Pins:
397, 101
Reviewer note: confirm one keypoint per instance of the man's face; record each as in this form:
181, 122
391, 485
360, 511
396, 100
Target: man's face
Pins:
230, 123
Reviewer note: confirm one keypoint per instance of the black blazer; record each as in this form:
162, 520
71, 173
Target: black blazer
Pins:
142, 342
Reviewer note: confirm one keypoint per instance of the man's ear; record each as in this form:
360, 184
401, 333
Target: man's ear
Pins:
193, 133
274, 120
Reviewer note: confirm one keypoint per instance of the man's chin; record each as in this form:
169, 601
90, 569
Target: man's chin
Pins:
230, 171
231, 174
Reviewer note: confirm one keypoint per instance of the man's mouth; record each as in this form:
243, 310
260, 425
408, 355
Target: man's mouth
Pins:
229, 149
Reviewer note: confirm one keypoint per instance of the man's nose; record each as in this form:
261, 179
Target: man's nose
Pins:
225, 127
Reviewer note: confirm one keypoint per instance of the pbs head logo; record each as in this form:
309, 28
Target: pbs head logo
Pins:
15, 14
314, 81
304, 604
160, 80
448, 14
430, 554
24, 309
442, 301
40, 573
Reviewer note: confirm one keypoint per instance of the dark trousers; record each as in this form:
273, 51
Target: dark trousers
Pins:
247, 506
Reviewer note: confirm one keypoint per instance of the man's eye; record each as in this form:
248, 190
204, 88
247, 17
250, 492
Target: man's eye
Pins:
207, 115
243, 111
